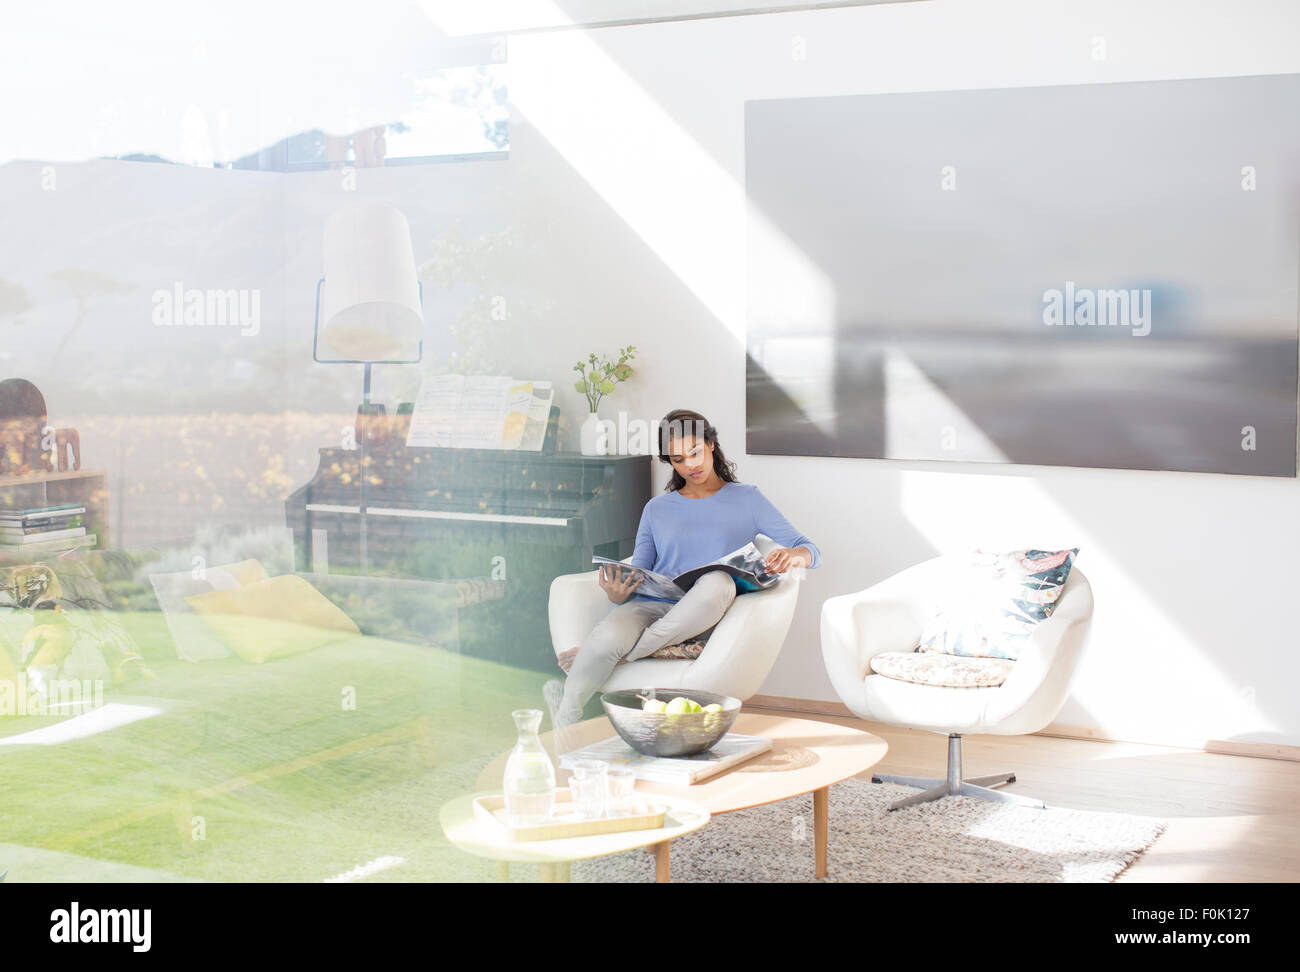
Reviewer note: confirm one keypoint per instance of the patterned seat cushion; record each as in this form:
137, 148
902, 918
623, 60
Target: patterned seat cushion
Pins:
934, 668
1001, 599
686, 651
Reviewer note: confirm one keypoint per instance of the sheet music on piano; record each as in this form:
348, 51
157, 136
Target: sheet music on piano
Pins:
480, 412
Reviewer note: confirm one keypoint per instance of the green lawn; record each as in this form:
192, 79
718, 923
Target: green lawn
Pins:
288, 783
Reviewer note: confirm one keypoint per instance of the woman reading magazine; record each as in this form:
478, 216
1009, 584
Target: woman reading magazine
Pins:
704, 515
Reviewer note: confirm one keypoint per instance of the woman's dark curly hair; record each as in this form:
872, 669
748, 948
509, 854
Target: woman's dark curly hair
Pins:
681, 422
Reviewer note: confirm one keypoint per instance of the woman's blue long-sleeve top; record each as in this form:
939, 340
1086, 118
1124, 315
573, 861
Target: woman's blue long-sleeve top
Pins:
677, 533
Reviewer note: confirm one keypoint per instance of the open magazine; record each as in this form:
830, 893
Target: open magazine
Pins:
745, 566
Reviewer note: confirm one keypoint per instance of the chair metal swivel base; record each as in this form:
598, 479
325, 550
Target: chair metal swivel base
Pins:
954, 785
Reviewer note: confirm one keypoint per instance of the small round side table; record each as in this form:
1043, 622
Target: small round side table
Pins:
479, 837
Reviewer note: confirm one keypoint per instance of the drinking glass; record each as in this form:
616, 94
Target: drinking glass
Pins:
620, 789
587, 784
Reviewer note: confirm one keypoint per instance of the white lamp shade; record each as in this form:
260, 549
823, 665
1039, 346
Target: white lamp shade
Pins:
370, 301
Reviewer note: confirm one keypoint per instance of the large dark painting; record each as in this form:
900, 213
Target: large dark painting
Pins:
1089, 275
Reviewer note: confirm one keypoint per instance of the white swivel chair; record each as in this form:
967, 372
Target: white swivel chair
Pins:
890, 617
737, 658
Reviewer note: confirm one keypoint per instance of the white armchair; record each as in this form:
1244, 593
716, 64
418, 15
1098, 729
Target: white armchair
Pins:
737, 658
890, 617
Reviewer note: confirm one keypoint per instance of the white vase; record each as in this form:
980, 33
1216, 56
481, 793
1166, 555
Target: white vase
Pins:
594, 438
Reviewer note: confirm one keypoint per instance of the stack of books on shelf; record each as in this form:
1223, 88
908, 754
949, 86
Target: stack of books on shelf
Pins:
44, 529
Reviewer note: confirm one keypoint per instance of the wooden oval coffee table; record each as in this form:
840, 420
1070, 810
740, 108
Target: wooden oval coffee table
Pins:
806, 757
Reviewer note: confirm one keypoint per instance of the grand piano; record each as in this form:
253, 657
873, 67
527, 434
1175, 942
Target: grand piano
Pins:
451, 514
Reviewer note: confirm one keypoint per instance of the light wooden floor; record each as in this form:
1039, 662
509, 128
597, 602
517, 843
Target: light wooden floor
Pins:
1231, 818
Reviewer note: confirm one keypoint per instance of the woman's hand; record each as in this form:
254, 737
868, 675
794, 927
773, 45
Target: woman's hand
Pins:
616, 586
783, 558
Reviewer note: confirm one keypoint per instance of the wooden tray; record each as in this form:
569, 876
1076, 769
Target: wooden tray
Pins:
563, 821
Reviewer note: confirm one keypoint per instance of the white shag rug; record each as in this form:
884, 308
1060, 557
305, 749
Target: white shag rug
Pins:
953, 839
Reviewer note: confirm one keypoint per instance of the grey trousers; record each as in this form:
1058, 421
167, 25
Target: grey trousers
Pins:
635, 629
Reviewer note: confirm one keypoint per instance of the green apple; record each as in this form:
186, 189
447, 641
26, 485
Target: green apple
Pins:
654, 705
715, 707
679, 705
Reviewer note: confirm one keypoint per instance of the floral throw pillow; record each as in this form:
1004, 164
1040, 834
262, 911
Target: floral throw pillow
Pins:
1002, 599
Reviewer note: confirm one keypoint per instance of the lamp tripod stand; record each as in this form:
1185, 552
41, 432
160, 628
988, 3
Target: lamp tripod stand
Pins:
364, 419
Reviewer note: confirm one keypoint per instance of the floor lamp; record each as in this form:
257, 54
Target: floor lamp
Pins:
369, 306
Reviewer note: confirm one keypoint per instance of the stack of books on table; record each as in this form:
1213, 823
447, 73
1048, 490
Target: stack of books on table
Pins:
44, 529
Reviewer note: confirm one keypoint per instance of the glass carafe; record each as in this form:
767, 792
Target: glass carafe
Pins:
530, 776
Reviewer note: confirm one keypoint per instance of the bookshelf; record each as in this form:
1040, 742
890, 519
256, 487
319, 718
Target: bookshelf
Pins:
87, 487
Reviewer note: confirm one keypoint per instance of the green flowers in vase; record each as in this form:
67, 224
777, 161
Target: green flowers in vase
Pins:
601, 375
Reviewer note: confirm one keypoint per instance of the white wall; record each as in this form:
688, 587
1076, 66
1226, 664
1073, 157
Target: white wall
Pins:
628, 148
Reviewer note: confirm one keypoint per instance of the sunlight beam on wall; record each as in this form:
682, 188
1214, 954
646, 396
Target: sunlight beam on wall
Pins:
685, 206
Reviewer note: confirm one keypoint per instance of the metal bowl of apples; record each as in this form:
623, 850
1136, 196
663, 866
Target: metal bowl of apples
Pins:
670, 722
